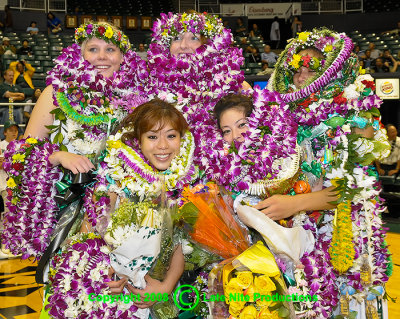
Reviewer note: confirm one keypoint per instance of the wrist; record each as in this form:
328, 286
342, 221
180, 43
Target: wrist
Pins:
54, 158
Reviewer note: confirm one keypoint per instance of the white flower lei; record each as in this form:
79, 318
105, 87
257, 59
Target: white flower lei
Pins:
142, 179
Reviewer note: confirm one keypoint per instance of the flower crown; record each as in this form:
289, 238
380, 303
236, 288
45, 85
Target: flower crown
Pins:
307, 61
336, 49
171, 25
102, 31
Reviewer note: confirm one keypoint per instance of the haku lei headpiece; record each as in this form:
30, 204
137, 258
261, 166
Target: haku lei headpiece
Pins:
171, 25
336, 49
312, 63
102, 31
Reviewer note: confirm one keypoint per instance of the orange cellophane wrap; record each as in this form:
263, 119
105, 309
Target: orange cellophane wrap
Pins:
215, 228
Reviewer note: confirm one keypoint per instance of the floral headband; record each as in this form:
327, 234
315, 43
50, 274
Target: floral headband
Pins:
332, 45
104, 32
307, 61
171, 25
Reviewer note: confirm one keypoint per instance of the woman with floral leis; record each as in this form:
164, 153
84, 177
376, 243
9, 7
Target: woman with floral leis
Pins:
333, 102
93, 85
192, 61
126, 226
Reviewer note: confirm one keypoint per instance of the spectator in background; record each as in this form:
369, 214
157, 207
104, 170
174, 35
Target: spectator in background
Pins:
379, 67
358, 51
32, 29
268, 56
25, 49
389, 60
296, 26
255, 32
6, 48
53, 24
245, 45
254, 55
23, 73
10, 134
391, 164
265, 69
10, 91
8, 20
226, 24
241, 30
275, 34
366, 59
28, 108
375, 53
142, 52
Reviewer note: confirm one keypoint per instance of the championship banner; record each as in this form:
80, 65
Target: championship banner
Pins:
387, 88
232, 10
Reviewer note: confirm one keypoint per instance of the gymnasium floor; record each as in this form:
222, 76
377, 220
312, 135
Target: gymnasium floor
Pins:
21, 297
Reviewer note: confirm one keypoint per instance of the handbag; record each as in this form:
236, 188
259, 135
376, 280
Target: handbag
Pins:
70, 200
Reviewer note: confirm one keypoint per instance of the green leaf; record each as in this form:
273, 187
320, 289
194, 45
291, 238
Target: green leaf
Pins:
189, 213
353, 315
51, 127
63, 148
283, 312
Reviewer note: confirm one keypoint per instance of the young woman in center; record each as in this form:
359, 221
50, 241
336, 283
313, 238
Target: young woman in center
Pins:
151, 150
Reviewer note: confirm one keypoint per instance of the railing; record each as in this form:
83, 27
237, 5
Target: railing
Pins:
340, 6
39, 5
11, 109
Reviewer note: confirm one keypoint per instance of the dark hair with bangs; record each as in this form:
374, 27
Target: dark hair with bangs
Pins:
233, 101
149, 114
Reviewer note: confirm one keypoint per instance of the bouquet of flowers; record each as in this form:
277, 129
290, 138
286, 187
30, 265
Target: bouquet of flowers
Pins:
214, 227
250, 285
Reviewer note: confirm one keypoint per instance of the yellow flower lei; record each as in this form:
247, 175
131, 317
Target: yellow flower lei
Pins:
342, 249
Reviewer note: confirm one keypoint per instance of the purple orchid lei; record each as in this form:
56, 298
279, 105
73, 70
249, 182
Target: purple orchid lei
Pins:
271, 136
32, 212
91, 104
194, 81
78, 273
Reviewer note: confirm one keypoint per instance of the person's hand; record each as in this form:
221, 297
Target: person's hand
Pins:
74, 162
1, 161
279, 207
393, 171
153, 286
116, 287
380, 171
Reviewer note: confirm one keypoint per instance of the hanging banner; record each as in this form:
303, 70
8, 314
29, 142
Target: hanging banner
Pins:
232, 10
387, 88
271, 10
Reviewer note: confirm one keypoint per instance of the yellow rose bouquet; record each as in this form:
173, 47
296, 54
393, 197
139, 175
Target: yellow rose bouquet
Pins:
249, 286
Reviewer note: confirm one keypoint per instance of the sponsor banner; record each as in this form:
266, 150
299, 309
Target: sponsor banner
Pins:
271, 10
233, 10
387, 88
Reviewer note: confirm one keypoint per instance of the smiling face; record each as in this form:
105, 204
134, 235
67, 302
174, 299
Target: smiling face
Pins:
233, 123
106, 57
160, 146
185, 43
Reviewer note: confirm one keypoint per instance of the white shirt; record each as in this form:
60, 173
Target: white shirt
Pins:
3, 174
274, 28
394, 156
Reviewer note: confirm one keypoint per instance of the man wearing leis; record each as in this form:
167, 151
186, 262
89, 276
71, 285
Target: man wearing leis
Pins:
334, 103
93, 85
